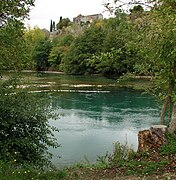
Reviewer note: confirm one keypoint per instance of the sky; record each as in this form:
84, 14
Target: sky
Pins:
45, 10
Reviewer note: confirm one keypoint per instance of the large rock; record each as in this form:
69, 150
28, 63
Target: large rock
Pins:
152, 139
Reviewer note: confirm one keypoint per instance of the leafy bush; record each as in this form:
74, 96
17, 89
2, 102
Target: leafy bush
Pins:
170, 147
25, 134
121, 154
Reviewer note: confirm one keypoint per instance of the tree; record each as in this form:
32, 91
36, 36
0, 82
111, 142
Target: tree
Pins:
118, 55
60, 46
84, 46
117, 32
64, 22
32, 38
157, 41
54, 26
54, 57
13, 51
113, 62
51, 26
160, 43
15, 10
41, 54
25, 134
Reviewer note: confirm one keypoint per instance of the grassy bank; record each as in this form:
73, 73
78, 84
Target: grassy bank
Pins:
122, 164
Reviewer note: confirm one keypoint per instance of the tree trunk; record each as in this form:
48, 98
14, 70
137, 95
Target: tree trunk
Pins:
169, 108
167, 103
172, 125
163, 111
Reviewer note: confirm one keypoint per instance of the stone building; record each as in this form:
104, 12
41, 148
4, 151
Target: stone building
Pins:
84, 19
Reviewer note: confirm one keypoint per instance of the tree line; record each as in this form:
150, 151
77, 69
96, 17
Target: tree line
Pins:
101, 47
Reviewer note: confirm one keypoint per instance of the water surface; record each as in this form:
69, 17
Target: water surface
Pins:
96, 114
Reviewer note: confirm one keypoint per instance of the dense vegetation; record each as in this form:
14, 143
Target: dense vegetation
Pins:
102, 47
25, 134
139, 42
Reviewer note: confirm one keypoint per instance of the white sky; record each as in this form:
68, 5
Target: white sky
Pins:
45, 10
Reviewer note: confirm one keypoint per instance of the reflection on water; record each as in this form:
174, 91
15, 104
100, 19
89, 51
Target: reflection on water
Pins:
92, 122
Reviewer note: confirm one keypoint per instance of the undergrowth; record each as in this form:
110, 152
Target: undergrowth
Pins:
9, 171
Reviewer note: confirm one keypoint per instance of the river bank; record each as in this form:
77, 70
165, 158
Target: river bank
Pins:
140, 166
132, 82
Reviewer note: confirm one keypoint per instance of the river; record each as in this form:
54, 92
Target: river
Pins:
96, 114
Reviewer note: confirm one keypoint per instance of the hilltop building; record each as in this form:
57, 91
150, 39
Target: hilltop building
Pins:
84, 19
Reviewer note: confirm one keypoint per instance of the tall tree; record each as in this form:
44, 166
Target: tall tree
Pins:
41, 54
25, 134
14, 10
51, 26
32, 37
12, 46
54, 26
88, 43
157, 39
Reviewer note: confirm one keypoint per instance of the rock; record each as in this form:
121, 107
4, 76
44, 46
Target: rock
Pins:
152, 139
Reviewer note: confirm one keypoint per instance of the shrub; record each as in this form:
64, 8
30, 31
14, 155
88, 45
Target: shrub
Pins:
25, 134
121, 154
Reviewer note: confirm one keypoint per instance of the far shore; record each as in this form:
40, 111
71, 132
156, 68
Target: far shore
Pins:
60, 72
49, 72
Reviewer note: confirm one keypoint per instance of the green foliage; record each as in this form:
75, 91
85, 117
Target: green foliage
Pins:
83, 47
25, 134
170, 147
32, 38
143, 167
41, 54
64, 40
63, 23
13, 50
9, 171
127, 160
105, 47
60, 46
14, 10
121, 154
103, 161
12, 47
114, 62
117, 32
54, 58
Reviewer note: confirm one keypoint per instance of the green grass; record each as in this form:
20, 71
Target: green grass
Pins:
123, 158
144, 168
9, 172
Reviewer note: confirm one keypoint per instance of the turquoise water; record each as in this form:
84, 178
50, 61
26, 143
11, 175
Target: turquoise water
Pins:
93, 121
96, 114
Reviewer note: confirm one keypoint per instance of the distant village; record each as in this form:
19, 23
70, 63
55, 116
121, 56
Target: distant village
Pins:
85, 19
56, 29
